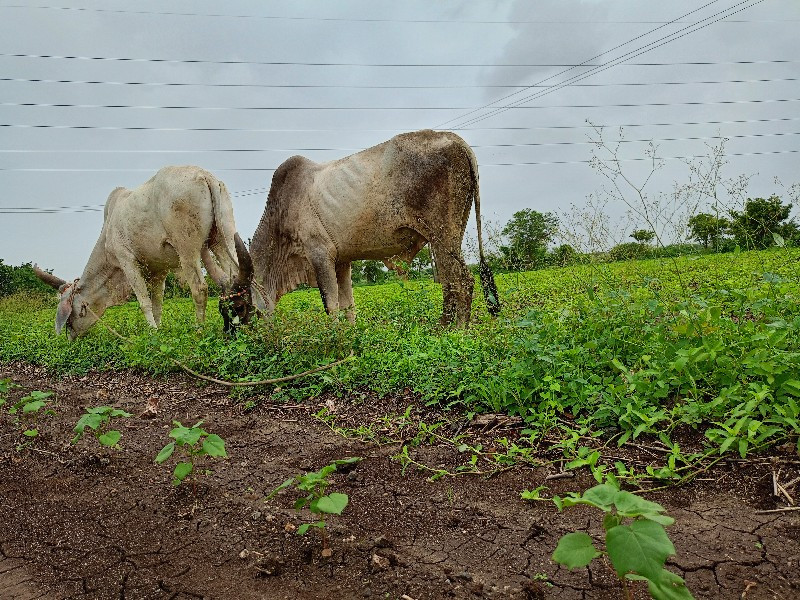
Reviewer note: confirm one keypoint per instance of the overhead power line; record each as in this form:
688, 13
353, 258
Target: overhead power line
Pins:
504, 164
394, 108
357, 20
386, 130
392, 65
318, 149
616, 61
588, 60
387, 87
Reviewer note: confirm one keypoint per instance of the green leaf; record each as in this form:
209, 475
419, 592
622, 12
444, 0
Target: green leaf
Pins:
182, 469
90, 420
669, 586
602, 496
631, 505
641, 547
31, 407
165, 453
333, 503
575, 550
31, 433
214, 445
110, 438
185, 436
303, 528
282, 486
792, 386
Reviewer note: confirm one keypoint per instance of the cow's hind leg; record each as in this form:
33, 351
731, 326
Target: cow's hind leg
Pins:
457, 286
345, 284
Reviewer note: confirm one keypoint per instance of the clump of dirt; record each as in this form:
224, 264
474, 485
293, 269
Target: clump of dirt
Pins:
84, 522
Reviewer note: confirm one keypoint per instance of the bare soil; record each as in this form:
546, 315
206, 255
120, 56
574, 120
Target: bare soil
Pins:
83, 522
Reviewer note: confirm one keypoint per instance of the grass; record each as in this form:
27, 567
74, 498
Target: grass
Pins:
630, 348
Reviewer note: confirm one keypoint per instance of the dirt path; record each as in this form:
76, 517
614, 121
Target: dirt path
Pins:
80, 522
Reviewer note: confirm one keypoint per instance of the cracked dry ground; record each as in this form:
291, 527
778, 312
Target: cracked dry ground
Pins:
79, 522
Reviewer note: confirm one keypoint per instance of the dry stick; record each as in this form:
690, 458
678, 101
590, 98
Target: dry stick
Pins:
230, 383
778, 510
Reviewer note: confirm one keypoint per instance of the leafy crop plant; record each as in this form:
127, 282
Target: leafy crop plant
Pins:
97, 420
636, 542
315, 484
195, 443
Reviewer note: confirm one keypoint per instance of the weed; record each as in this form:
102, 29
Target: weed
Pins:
194, 443
98, 419
26, 412
314, 484
636, 542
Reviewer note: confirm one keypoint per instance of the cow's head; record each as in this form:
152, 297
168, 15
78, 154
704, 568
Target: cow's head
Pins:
73, 314
236, 303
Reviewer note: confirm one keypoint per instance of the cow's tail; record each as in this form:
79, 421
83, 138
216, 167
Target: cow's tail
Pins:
488, 284
224, 224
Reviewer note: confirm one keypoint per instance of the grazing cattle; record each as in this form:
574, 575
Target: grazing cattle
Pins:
173, 222
384, 203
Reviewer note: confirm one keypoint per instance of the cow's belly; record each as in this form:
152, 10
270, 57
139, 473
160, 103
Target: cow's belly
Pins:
379, 244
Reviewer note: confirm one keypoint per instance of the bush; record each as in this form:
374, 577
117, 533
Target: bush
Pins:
22, 279
630, 251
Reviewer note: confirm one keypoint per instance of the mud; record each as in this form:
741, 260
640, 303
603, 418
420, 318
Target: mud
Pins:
83, 522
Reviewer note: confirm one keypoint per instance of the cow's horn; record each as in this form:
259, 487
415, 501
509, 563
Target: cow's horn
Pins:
245, 275
48, 278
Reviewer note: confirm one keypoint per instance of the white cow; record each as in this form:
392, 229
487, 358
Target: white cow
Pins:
173, 222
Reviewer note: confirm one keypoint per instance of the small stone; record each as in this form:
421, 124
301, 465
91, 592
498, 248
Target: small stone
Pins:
327, 553
244, 554
289, 527
382, 542
465, 576
256, 515
379, 563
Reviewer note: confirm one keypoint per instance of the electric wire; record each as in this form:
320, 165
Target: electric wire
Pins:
614, 62
363, 19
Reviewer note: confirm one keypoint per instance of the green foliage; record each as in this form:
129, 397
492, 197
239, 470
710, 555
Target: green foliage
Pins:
759, 222
98, 419
314, 485
708, 229
529, 233
636, 542
627, 349
26, 411
193, 443
630, 251
643, 236
22, 279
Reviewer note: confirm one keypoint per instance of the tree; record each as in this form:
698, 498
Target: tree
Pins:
708, 229
643, 235
528, 232
754, 226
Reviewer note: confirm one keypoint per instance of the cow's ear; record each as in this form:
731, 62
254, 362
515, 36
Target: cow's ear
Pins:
63, 313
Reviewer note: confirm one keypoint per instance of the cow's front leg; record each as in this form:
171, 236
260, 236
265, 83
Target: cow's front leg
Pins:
345, 284
157, 295
138, 284
325, 272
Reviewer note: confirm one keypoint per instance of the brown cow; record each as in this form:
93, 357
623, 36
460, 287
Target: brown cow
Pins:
383, 203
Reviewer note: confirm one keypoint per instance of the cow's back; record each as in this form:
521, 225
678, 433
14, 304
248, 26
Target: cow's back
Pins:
172, 207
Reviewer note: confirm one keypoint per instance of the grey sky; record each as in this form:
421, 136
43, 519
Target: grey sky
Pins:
353, 106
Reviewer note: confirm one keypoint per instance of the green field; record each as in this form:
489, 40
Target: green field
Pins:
618, 350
